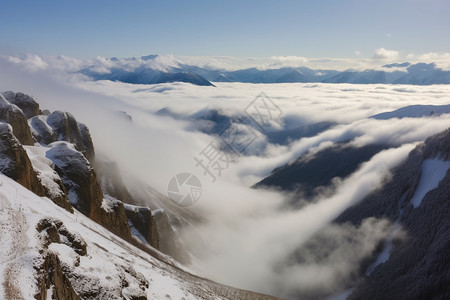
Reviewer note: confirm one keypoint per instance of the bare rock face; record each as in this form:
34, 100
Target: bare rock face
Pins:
88, 145
41, 131
66, 128
14, 116
142, 220
26, 103
55, 279
85, 193
14, 161
113, 216
77, 175
52, 274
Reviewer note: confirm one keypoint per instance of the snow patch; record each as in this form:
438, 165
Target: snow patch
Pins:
433, 171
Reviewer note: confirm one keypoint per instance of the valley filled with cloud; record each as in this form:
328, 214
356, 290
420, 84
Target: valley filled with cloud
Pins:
251, 238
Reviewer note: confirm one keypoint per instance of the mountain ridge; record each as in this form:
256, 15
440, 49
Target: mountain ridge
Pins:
145, 70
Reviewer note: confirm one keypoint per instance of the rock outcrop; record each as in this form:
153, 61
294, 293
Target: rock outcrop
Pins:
13, 115
54, 279
41, 131
84, 191
62, 168
66, 128
78, 177
26, 103
113, 216
14, 161
142, 220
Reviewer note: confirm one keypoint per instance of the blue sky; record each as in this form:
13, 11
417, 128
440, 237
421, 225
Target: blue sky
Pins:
347, 28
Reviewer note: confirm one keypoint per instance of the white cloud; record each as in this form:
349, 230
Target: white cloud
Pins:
30, 61
165, 62
156, 148
382, 54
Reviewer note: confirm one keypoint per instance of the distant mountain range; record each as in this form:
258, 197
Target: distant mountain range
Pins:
142, 71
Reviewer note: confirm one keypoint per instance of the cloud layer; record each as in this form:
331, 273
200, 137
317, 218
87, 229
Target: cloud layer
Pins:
100, 64
251, 237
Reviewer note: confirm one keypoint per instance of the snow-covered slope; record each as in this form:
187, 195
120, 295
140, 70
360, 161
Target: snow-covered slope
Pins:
414, 111
111, 268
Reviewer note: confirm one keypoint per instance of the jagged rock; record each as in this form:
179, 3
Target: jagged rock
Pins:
14, 116
84, 191
86, 139
66, 128
78, 177
54, 278
53, 231
26, 103
14, 161
41, 131
50, 180
142, 220
114, 218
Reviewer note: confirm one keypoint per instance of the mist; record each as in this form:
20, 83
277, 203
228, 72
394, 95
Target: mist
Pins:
251, 235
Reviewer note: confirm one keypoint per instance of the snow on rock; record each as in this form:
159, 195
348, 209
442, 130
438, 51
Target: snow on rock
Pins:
14, 161
67, 128
26, 103
5, 160
414, 111
13, 115
433, 171
44, 170
41, 131
109, 203
72, 165
110, 268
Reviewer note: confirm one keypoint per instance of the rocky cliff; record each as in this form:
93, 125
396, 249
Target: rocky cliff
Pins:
58, 161
14, 161
71, 255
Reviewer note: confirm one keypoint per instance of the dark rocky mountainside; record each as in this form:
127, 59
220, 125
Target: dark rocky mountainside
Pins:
312, 174
418, 266
412, 258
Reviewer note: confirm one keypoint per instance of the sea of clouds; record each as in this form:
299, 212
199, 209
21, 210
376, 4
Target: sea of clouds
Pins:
251, 234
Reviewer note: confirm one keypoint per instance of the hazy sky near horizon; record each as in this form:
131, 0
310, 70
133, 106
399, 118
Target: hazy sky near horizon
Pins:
348, 28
